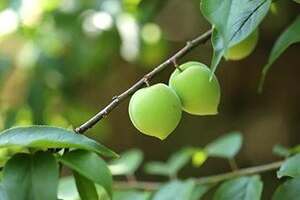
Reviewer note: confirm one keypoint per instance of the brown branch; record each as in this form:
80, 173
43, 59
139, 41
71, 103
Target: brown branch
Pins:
143, 185
190, 45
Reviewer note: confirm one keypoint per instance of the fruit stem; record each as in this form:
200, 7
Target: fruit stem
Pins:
174, 61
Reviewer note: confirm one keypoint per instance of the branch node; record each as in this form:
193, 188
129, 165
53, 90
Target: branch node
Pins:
174, 61
189, 43
146, 80
116, 98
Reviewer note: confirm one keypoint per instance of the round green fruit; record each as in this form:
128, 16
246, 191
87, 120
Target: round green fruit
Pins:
155, 110
198, 94
242, 49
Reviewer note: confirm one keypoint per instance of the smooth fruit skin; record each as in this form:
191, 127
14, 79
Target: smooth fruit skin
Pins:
198, 95
242, 49
155, 110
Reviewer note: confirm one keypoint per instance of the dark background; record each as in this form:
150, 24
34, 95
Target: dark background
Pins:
62, 61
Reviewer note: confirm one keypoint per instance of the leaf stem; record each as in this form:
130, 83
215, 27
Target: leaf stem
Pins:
190, 45
144, 185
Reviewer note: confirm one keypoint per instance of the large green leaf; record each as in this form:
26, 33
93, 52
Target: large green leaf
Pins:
288, 191
242, 188
226, 146
50, 137
291, 167
290, 36
176, 190
33, 177
86, 188
199, 191
233, 21
67, 189
127, 164
89, 165
131, 195
172, 166
3, 194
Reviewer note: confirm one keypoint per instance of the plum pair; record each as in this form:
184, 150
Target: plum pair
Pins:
156, 110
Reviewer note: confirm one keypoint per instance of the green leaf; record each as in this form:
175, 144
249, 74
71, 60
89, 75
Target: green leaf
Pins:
172, 166
86, 188
89, 165
178, 160
242, 188
233, 21
175, 190
288, 190
199, 191
226, 146
291, 167
290, 36
131, 195
67, 189
3, 194
157, 168
50, 137
127, 164
281, 151
33, 177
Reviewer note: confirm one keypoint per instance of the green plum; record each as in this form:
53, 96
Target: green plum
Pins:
155, 110
198, 94
242, 49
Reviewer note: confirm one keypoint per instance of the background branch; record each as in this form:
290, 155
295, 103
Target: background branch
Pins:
143, 185
190, 45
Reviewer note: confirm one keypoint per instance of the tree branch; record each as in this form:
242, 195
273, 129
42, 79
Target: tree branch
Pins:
190, 45
143, 185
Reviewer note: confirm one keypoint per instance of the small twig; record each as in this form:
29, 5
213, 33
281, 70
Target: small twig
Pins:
143, 185
233, 164
139, 84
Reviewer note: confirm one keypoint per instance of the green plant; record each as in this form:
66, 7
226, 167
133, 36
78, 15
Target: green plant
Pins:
32, 157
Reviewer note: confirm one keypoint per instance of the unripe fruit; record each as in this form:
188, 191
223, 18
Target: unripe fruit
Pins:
198, 95
155, 110
242, 49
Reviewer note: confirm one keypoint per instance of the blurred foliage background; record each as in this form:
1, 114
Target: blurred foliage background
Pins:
63, 60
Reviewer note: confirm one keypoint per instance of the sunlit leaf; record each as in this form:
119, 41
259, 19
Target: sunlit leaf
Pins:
199, 157
89, 165
291, 167
33, 177
226, 146
290, 36
288, 191
233, 21
242, 188
50, 137
127, 163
